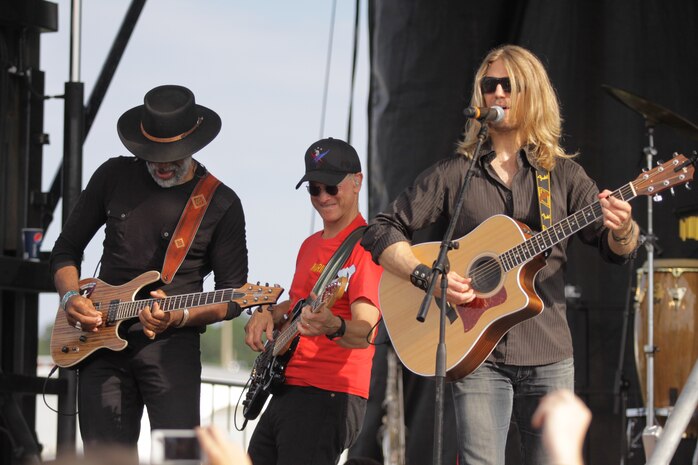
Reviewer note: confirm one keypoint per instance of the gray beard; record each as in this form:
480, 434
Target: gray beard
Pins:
179, 172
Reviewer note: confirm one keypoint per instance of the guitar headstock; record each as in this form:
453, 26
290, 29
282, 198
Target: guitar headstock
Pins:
252, 295
334, 291
678, 170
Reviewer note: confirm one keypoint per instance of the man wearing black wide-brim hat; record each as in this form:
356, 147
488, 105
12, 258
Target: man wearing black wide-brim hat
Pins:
140, 200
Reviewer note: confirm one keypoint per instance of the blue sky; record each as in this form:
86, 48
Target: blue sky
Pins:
259, 64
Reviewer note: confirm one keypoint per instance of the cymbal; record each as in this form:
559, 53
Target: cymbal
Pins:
654, 114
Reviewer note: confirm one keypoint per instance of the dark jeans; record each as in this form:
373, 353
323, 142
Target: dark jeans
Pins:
306, 426
163, 375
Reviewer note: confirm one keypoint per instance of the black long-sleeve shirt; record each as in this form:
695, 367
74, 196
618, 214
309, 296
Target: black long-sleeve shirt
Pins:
140, 217
545, 338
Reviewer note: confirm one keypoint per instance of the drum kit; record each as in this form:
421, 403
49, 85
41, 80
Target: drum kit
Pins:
666, 303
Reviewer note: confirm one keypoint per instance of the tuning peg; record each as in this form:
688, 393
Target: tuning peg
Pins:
657, 198
257, 283
671, 190
660, 162
266, 284
688, 186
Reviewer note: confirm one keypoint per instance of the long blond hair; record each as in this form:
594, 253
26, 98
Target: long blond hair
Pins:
534, 106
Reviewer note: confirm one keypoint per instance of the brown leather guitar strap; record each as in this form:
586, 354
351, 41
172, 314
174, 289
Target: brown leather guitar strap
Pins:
188, 225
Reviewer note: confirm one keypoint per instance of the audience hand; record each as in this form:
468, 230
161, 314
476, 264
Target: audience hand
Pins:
564, 420
218, 448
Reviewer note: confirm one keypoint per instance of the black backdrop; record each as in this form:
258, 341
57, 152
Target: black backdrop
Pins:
423, 56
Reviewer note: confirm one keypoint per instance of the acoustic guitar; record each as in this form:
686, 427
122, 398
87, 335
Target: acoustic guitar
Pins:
70, 346
502, 257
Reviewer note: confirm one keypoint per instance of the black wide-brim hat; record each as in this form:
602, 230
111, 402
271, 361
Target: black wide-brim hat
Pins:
169, 126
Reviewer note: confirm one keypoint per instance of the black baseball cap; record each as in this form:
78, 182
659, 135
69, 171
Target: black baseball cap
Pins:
328, 161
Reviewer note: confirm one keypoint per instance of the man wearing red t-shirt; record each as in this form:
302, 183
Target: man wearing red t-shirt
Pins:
319, 411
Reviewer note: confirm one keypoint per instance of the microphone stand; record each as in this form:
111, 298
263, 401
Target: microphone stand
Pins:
620, 385
650, 432
441, 268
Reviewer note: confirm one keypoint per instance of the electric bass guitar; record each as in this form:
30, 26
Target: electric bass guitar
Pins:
502, 257
70, 346
269, 366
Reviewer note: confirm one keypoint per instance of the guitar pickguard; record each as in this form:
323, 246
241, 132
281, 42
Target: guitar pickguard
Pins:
472, 312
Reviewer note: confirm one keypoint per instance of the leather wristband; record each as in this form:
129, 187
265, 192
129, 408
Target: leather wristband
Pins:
340, 332
420, 276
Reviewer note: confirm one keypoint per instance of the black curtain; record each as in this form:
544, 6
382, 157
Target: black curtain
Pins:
423, 57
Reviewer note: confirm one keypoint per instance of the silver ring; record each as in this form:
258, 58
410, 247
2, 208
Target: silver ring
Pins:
78, 325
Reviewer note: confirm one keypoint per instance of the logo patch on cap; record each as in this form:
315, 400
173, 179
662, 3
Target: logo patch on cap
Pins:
318, 156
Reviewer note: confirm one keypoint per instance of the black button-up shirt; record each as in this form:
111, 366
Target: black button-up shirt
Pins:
545, 338
140, 217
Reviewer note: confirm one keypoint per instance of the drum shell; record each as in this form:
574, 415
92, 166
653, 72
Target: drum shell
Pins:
675, 329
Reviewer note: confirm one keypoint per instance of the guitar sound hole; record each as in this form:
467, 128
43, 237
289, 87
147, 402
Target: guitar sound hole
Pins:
486, 274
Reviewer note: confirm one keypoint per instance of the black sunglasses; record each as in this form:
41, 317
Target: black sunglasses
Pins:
315, 190
489, 84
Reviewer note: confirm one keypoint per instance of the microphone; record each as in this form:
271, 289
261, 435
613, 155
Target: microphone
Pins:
494, 113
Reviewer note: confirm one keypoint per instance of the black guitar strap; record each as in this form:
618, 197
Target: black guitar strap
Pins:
337, 260
262, 381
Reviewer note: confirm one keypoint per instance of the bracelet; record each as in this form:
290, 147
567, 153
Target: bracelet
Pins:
420, 276
185, 317
624, 240
66, 297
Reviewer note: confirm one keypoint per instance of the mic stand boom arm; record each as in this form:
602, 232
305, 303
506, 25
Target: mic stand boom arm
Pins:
440, 268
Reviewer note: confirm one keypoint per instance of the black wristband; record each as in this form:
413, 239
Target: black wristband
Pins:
420, 276
234, 310
340, 332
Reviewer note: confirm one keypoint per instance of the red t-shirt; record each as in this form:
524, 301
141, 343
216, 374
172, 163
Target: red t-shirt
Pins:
317, 361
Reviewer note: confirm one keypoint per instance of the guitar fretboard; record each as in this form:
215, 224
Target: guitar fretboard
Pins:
124, 310
559, 231
291, 331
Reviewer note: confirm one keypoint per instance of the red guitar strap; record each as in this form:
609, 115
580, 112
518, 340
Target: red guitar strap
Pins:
188, 225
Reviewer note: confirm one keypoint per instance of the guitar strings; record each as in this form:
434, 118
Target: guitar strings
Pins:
291, 331
131, 308
494, 266
513, 257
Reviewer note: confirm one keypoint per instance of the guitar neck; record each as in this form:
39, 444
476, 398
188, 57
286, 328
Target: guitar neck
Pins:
287, 335
560, 231
126, 310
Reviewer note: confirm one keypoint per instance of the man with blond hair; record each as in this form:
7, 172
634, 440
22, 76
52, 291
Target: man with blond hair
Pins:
534, 357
